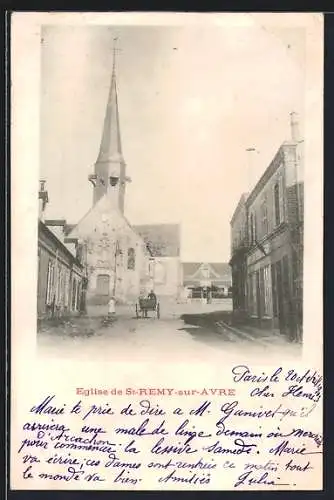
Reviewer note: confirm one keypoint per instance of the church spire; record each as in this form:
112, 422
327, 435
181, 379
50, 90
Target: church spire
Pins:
110, 176
111, 145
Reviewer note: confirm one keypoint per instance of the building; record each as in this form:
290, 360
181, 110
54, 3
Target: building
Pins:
61, 269
119, 263
274, 247
238, 262
203, 278
163, 241
121, 260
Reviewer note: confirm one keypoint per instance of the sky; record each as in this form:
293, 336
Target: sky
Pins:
192, 99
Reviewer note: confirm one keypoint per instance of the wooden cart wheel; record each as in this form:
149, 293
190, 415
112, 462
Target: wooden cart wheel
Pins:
158, 311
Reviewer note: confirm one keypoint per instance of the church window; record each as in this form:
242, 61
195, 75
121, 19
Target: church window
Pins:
131, 258
102, 284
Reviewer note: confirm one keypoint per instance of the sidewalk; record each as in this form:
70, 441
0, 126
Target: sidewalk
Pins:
262, 335
224, 319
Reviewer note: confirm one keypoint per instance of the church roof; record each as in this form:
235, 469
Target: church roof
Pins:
163, 240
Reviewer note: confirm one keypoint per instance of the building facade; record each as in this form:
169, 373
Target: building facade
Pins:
207, 279
61, 286
274, 257
238, 262
163, 241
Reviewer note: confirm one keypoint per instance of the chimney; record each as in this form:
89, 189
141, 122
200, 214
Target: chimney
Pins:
294, 127
251, 171
42, 199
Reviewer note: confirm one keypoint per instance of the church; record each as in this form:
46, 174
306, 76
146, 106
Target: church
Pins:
122, 260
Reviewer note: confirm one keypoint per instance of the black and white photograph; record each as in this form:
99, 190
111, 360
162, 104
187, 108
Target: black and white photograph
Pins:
171, 197
167, 251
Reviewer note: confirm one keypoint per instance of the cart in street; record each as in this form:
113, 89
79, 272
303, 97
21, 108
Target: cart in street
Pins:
143, 306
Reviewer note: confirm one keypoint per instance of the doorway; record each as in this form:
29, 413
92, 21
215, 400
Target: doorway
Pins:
103, 284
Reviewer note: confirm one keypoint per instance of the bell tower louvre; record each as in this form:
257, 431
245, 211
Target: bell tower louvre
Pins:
109, 176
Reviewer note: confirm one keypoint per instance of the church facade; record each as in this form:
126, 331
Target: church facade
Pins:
118, 262
123, 261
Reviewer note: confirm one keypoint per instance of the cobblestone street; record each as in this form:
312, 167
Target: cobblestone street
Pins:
184, 332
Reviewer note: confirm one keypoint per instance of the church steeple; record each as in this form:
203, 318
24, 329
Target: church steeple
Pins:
110, 170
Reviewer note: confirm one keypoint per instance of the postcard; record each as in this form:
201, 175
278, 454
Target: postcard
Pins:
166, 186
